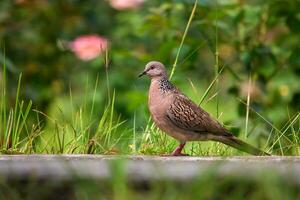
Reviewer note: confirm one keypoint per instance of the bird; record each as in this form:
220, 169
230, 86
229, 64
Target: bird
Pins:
181, 118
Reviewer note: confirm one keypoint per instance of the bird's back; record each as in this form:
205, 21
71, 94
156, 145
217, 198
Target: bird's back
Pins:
185, 114
177, 115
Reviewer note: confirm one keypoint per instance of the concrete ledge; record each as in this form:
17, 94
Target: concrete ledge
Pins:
145, 168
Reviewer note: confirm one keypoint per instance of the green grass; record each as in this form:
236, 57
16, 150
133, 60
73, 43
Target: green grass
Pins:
72, 132
13, 120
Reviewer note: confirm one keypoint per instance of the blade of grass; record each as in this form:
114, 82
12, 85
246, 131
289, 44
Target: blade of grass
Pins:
9, 129
15, 118
211, 98
106, 61
285, 130
183, 38
209, 87
94, 97
24, 117
247, 107
269, 123
4, 97
192, 53
294, 134
71, 103
134, 134
258, 114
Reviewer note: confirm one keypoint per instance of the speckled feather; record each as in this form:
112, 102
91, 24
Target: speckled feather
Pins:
186, 115
165, 85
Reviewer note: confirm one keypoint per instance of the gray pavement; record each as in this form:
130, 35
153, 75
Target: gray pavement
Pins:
145, 168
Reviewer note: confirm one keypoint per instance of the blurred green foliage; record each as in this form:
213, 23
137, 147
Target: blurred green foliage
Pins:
252, 38
208, 185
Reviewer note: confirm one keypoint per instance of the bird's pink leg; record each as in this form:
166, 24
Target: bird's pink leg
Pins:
177, 151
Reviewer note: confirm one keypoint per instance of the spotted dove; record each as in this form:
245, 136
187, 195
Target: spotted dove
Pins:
181, 118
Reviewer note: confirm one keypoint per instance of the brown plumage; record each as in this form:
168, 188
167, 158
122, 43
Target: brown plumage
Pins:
181, 118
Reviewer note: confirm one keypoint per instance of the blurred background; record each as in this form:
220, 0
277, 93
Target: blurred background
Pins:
65, 48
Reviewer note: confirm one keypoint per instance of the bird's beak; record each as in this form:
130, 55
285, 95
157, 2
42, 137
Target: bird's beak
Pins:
142, 74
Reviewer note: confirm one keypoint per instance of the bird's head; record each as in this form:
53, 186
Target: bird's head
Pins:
154, 69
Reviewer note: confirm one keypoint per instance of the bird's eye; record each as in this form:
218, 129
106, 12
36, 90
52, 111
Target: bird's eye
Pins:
152, 67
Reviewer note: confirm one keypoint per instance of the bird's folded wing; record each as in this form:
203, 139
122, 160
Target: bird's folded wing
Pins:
185, 114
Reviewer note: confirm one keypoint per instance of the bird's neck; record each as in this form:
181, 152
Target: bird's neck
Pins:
164, 85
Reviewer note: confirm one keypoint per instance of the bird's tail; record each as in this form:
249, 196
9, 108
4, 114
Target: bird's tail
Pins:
241, 145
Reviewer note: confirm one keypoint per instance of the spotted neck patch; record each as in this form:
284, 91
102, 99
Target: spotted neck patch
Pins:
165, 85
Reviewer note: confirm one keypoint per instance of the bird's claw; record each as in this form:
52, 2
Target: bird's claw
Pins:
180, 154
174, 154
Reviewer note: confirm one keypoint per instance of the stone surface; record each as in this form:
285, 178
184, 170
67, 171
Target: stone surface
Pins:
145, 168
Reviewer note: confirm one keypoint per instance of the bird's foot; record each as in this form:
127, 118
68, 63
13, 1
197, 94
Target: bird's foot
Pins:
175, 154
177, 151
180, 154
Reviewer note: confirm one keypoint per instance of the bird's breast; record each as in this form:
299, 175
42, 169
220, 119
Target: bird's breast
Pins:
158, 101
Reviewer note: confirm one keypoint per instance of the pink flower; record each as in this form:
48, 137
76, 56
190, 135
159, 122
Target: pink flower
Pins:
88, 47
125, 4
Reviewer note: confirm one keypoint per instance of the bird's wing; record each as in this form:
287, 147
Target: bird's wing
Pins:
185, 114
